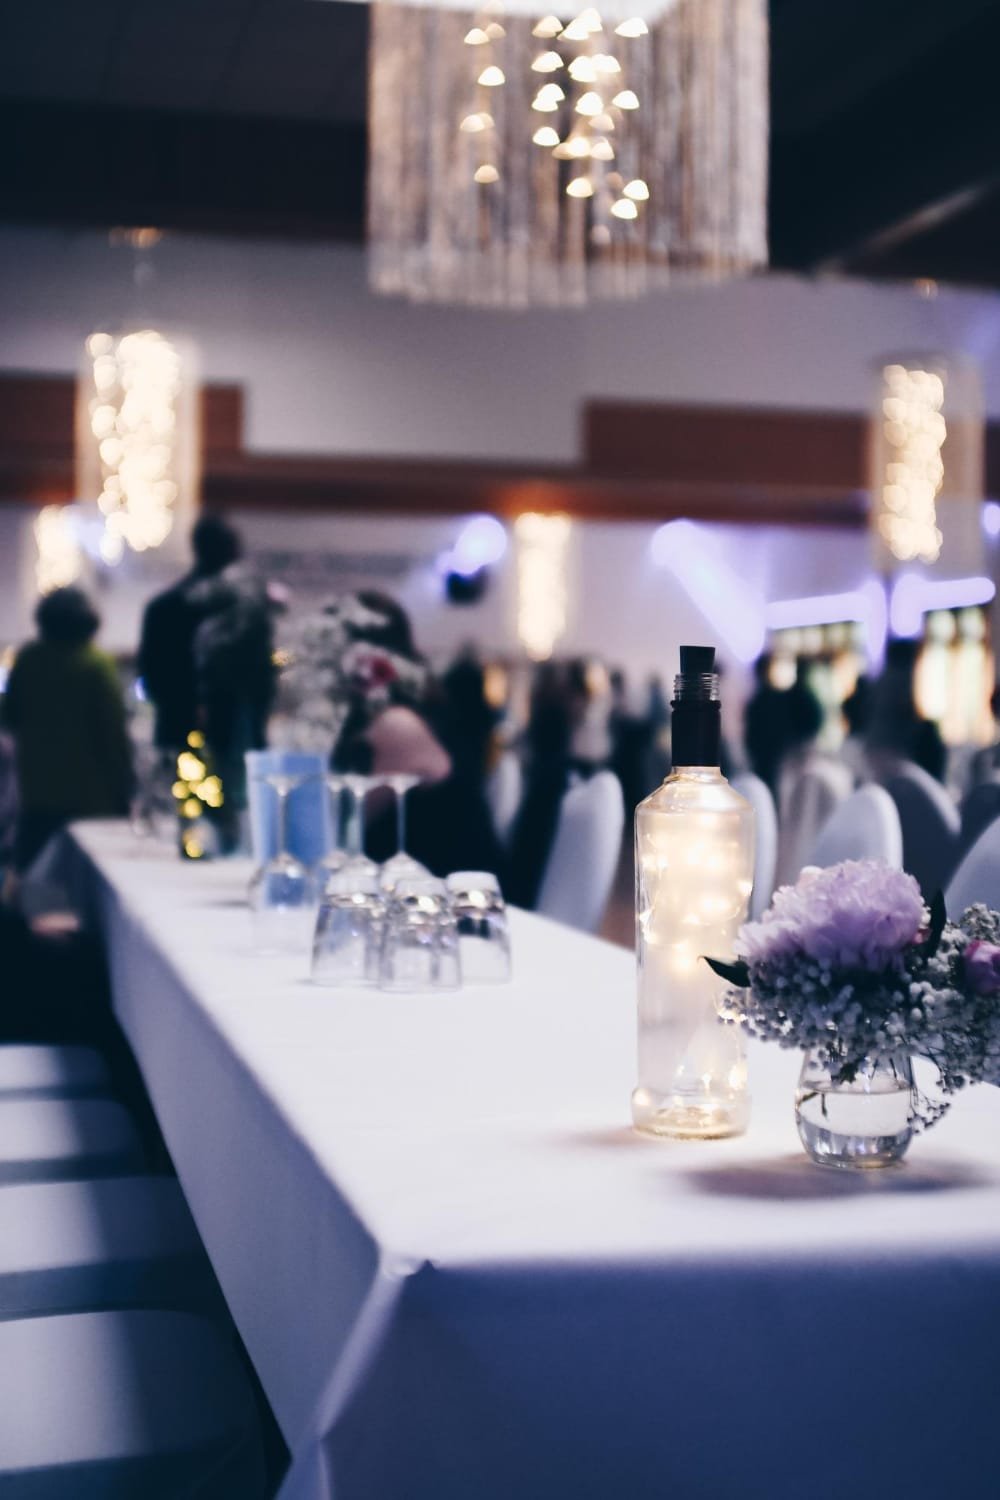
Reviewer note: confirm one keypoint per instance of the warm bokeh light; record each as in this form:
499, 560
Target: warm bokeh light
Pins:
542, 592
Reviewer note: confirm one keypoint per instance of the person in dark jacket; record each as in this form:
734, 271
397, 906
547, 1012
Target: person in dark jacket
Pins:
166, 651
65, 710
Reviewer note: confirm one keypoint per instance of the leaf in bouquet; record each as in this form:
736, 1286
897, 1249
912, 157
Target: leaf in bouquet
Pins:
736, 973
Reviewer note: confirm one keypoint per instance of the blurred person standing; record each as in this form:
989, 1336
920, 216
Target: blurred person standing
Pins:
548, 764
65, 710
205, 658
170, 623
767, 727
897, 731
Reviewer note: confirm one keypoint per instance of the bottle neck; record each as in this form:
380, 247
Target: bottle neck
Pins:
696, 732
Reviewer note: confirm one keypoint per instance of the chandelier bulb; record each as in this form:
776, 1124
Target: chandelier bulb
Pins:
548, 26
634, 26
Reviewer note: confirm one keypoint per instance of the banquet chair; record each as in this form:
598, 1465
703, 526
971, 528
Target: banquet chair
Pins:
51, 1072
103, 1243
309, 825
807, 798
581, 866
978, 876
865, 826
52, 1140
931, 826
504, 787
758, 794
980, 807
125, 1404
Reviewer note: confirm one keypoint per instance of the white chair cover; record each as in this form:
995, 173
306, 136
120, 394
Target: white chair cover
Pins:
978, 876
51, 1072
864, 826
51, 1140
110, 1405
809, 790
980, 807
931, 826
585, 852
758, 794
504, 788
111, 1242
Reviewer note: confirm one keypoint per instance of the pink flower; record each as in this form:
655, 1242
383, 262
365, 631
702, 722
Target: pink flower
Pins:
982, 967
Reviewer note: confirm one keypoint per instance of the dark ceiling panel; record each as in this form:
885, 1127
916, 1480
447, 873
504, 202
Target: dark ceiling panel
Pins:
248, 116
57, 49
176, 55
300, 59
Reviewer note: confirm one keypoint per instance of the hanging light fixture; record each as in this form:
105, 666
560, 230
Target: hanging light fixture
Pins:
597, 153
137, 438
927, 451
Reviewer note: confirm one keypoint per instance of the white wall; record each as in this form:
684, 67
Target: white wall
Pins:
329, 368
622, 606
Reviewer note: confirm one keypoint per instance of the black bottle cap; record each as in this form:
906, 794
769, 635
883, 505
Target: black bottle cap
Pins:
696, 725
696, 661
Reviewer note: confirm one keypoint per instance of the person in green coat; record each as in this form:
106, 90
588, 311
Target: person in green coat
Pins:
65, 709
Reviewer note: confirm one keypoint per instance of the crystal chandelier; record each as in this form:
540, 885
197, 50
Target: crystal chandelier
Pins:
137, 438
517, 159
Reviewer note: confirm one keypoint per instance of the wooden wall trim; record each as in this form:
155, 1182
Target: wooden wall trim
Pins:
642, 462
726, 445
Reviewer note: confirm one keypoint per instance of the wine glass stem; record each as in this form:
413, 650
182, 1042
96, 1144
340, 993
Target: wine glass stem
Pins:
355, 840
282, 820
336, 814
401, 822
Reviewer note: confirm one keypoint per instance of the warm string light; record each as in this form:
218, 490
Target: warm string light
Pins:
594, 105
195, 790
914, 430
132, 418
542, 542
59, 561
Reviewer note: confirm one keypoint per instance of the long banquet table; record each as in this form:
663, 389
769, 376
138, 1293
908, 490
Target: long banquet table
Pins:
460, 1276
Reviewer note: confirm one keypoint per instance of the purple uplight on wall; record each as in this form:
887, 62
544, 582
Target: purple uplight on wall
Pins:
716, 589
914, 596
991, 518
866, 604
481, 542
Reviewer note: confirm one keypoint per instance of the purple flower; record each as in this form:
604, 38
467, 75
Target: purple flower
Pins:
982, 967
856, 915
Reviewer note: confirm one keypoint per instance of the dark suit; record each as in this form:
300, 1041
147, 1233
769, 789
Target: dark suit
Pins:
166, 662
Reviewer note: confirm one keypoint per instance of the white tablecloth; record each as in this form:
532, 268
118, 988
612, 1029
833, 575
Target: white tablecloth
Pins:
461, 1277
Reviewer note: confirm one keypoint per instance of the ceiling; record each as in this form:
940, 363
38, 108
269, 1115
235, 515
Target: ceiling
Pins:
247, 117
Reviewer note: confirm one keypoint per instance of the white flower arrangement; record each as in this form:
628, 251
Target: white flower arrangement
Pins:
327, 667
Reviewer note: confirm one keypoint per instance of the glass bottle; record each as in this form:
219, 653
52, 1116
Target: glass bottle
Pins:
694, 851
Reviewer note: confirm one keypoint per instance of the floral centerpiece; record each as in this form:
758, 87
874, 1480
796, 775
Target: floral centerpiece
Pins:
331, 670
853, 968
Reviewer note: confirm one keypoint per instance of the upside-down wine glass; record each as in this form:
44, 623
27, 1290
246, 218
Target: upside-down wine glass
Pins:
401, 866
336, 857
357, 863
281, 890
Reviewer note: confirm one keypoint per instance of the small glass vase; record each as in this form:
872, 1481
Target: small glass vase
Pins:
866, 1121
